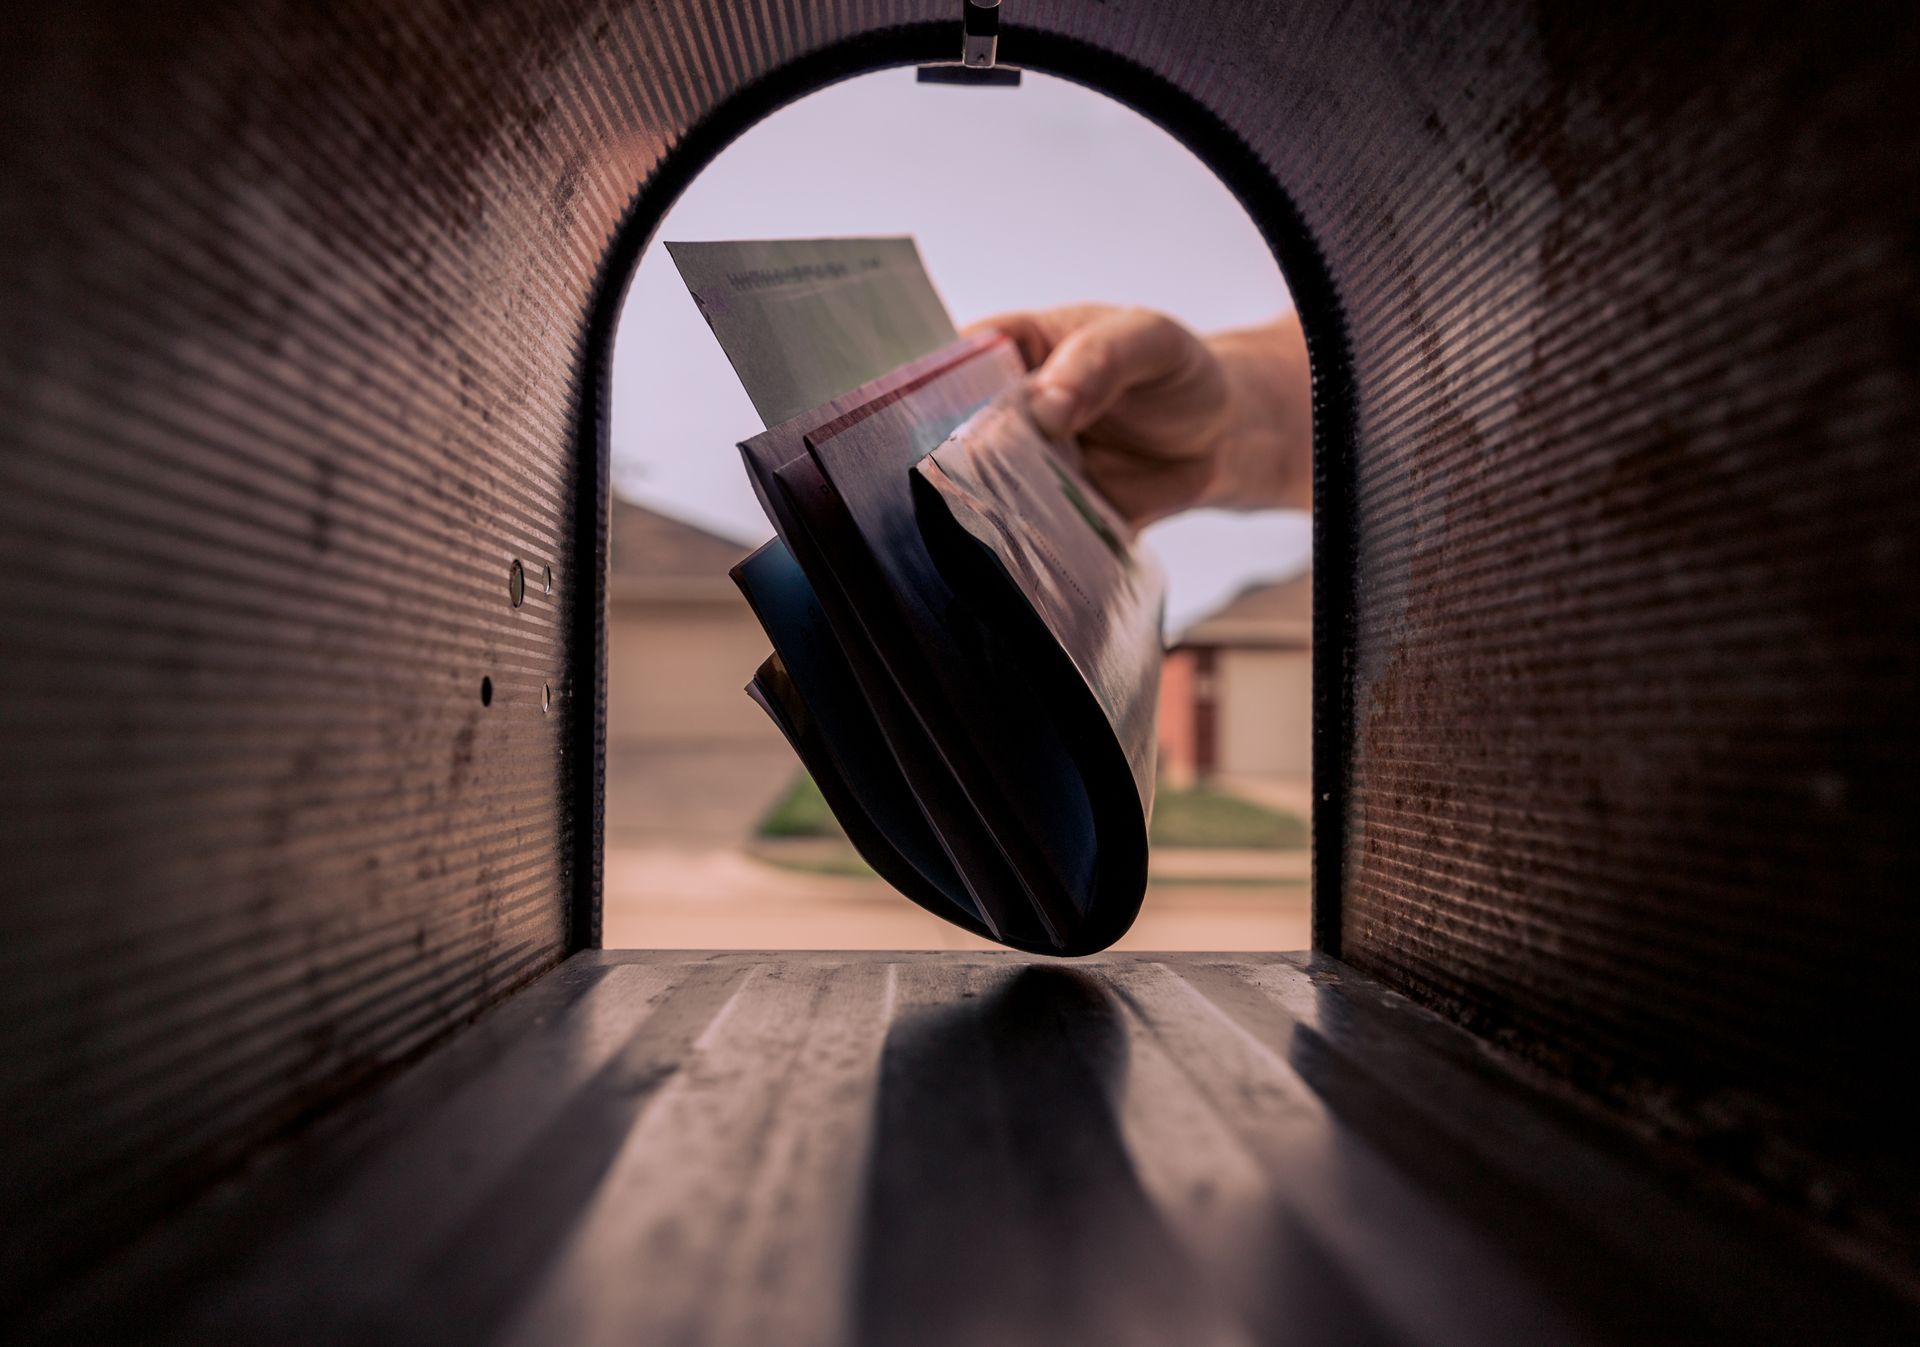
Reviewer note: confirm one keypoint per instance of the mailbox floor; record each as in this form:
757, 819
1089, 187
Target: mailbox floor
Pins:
970, 1148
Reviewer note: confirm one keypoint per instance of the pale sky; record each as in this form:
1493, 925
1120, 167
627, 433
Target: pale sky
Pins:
1020, 198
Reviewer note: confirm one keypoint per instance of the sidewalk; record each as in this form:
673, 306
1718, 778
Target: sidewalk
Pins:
1214, 865
666, 898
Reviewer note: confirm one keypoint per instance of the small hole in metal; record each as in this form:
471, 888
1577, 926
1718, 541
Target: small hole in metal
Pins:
546, 577
486, 692
546, 697
517, 584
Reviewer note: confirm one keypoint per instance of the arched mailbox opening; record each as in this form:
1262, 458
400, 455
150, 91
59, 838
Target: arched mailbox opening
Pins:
706, 843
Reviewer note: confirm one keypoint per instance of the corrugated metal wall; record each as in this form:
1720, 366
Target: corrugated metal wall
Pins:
291, 343
1636, 630
294, 362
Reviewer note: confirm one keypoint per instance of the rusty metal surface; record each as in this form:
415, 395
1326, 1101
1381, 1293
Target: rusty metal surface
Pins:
288, 380
296, 356
1636, 635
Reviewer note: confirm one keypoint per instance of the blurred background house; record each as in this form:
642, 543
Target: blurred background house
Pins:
1235, 690
690, 761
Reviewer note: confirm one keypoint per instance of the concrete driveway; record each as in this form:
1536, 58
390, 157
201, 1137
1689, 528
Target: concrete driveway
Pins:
721, 898
679, 874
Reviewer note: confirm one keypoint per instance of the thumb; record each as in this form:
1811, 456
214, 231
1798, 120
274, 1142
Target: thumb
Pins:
1094, 367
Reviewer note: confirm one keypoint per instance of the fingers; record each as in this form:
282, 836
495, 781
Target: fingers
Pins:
1023, 328
1036, 332
1094, 366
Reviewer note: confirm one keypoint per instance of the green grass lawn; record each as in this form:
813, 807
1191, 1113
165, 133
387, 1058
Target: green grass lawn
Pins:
1209, 818
1181, 818
801, 812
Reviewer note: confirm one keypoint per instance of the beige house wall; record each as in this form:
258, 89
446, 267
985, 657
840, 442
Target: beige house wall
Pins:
1265, 709
677, 670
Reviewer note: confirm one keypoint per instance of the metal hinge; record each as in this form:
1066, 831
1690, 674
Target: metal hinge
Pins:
979, 48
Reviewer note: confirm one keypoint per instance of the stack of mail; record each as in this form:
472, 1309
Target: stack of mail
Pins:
966, 642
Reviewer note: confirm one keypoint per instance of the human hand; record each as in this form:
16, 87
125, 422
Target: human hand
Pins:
1168, 421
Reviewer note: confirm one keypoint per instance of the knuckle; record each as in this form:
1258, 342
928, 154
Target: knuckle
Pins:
1096, 364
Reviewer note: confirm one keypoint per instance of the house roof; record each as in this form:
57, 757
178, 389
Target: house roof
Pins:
1273, 614
654, 555
648, 542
